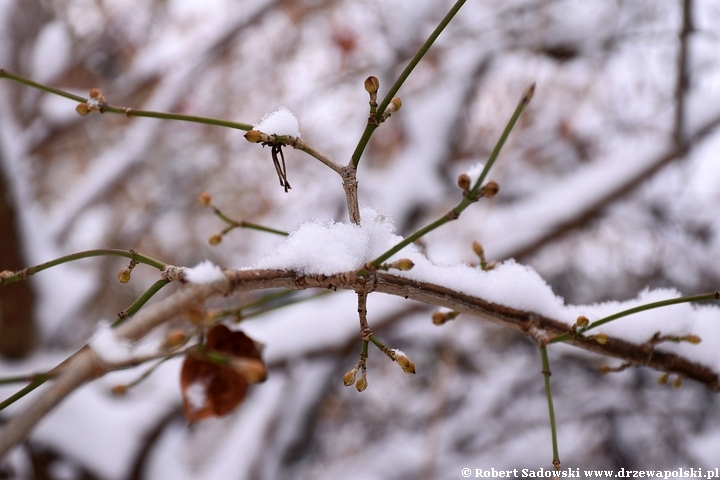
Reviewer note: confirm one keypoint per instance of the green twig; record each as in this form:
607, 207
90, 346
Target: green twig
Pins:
129, 112
24, 273
641, 308
372, 125
548, 393
142, 300
469, 197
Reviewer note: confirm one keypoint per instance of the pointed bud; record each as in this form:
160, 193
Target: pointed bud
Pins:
491, 265
663, 379
491, 189
394, 105
463, 182
361, 384
677, 383
582, 321
441, 317
82, 108
694, 339
254, 136
604, 369
349, 378
404, 362
600, 338
174, 339
372, 84
205, 199
478, 249
403, 264
251, 369
215, 239
124, 275
119, 390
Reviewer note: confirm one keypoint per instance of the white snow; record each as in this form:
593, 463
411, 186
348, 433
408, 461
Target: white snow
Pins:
108, 346
329, 248
204, 273
280, 122
195, 395
474, 172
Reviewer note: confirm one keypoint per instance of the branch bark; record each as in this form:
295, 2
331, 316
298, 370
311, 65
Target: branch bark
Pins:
87, 364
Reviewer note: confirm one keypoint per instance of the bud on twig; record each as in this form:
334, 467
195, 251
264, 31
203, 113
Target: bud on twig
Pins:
174, 339
361, 384
119, 390
205, 199
349, 378
372, 84
394, 105
694, 339
662, 380
442, 317
254, 136
215, 239
463, 182
491, 189
677, 383
124, 275
582, 321
404, 362
403, 264
600, 338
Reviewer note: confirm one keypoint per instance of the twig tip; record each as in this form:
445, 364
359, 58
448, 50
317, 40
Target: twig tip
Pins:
528, 93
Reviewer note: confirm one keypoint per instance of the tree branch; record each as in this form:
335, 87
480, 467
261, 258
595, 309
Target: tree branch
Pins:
86, 364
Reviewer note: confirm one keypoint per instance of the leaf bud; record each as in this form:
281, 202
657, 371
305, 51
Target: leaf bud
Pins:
97, 95
478, 249
663, 379
82, 108
403, 264
442, 317
464, 181
582, 321
372, 84
215, 239
119, 390
605, 369
694, 339
254, 136
205, 199
491, 189
600, 338
124, 275
174, 339
404, 362
251, 369
349, 378
677, 383
394, 105
361, 384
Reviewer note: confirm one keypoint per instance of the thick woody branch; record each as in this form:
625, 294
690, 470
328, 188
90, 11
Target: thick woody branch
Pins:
87, 365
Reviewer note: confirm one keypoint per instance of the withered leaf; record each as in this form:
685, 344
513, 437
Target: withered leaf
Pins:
213, 389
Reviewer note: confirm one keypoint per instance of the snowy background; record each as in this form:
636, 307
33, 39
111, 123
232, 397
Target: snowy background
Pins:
610, 184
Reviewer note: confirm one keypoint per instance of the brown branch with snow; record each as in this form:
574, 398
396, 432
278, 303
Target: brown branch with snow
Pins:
87, 364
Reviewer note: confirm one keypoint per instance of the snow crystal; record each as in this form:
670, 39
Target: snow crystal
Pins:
280, 122
108, 346
204, 272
